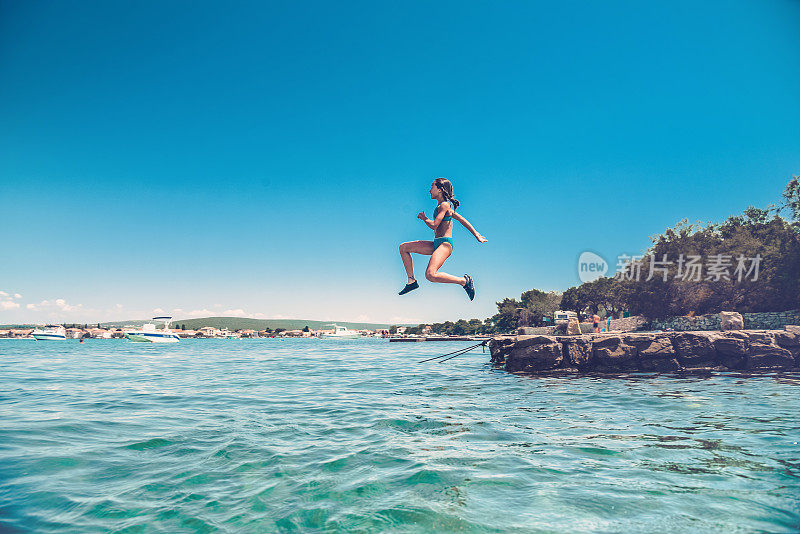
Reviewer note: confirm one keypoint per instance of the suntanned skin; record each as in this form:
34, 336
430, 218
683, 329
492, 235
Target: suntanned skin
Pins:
441, 229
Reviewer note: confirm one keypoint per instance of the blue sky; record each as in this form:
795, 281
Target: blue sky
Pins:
266, 159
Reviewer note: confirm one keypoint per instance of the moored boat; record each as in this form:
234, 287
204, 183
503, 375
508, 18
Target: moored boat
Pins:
149, 333
341, 332
50, 333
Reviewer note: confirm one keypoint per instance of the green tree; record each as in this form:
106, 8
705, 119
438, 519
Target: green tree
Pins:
540, 304
505, 319
460, 327
791, 197
474, 326
740, 240
605, 296
393, 330
306, 329
489, 326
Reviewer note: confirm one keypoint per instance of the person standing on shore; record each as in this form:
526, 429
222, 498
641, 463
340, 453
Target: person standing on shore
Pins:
596, 323
442, 245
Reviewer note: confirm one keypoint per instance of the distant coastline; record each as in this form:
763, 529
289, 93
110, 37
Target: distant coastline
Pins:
236, 323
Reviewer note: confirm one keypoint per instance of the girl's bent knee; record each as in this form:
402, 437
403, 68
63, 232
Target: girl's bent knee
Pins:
430, 276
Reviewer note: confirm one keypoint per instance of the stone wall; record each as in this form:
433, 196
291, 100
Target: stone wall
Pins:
558, 330
536, 330
628, 324
662, 351
752, 321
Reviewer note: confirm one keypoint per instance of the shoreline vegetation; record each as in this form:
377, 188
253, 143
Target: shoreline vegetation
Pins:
763, 232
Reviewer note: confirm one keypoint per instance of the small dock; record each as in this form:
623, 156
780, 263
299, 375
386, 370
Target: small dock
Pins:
436, 338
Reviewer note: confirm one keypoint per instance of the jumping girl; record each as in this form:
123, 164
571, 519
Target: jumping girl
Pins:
442, 246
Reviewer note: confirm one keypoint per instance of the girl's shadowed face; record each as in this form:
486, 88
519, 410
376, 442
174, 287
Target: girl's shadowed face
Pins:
436, 193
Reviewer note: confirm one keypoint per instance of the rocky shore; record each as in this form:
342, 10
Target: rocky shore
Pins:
649, 351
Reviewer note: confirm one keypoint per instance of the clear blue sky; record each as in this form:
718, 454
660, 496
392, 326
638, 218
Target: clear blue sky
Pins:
266, 159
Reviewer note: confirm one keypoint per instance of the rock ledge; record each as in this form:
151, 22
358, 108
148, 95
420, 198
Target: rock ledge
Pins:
649, 351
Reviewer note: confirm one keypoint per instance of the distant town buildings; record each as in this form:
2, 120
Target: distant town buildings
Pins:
206, 332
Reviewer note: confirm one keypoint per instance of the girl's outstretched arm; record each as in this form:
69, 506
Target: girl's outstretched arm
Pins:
465, 223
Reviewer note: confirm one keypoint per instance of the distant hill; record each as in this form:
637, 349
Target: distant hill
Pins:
245, 323
238, 323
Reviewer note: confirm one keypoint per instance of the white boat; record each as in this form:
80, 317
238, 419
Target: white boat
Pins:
50, 333
341, 332
227, 334
149, 333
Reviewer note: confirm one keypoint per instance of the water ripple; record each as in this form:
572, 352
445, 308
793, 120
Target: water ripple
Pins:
308, 435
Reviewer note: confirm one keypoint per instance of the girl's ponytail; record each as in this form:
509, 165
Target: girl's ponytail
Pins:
446, 187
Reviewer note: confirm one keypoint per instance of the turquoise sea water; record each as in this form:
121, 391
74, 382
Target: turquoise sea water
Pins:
357, 436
